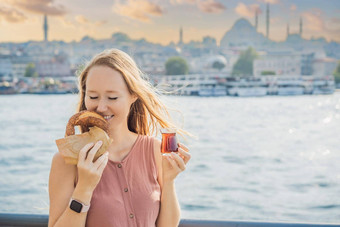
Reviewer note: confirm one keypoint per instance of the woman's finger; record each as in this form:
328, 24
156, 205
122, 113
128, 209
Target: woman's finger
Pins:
172, 162
185, 155
102, 164
83, 151
179, 161
93, 151
185, 148
100, 160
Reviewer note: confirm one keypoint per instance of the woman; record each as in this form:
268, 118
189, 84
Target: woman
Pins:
132, 184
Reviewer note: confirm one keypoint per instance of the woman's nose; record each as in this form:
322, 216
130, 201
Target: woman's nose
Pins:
102, 107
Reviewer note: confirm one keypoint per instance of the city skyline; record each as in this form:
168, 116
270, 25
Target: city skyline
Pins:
161, 21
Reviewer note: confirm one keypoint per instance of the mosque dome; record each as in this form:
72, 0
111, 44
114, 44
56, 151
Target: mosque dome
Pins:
216, 58
242, 33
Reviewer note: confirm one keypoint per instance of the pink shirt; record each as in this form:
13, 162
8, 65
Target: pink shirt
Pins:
128, 193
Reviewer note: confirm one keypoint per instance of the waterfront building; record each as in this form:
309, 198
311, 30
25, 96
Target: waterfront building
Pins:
6, 66
57, 66
278, 64
19, 65
305, 63
324, 66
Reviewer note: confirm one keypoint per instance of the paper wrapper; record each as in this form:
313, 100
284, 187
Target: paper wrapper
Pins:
70, 146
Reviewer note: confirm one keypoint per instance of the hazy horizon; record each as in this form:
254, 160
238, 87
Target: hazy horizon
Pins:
160, 21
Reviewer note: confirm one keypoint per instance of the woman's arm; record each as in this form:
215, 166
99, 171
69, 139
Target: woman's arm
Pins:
168, 168
61, 186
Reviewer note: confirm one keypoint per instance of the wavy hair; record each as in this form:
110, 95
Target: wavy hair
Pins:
148, 113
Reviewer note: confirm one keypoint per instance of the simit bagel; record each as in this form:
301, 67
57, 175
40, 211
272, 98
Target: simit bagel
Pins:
93, 127
85, 119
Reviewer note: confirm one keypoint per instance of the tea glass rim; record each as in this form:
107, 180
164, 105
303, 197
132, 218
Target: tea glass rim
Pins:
168, 130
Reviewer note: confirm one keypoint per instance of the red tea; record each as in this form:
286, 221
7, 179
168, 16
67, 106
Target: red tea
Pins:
169, 143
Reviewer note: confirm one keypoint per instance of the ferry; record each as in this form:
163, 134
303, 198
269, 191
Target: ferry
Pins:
194, 85
222, 85
248, 87
290, 86
323, 86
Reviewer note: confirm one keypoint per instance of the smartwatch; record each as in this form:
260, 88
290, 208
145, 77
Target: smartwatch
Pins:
78, 207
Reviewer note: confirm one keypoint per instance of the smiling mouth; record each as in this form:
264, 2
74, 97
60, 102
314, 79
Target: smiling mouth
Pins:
108, 117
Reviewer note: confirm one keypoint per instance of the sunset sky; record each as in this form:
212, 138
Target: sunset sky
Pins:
159, 20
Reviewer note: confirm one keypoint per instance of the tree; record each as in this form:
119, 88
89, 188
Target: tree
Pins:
218, 65
30, 70
244, 65
176, 66
337, 74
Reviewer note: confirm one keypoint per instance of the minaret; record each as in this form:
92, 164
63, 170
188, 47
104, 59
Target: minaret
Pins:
287, 30
300, 27
45, 28
181, 36
256, 19
267, 28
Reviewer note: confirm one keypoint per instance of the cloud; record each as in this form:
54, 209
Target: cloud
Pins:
183, 1
39, 6
315, 23
247, 11
140, 10
269, 1
66, 22
81, 19
84, 21
207, 6
293, 7
211, 6
11, 15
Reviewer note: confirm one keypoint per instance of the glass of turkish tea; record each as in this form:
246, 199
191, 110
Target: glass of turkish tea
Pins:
169, 140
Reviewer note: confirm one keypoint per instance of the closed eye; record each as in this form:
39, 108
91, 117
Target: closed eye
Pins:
91, 97
113, 98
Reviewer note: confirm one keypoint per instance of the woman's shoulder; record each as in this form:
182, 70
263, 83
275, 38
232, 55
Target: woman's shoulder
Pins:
150, 139
61, 169
59, 160
153, 141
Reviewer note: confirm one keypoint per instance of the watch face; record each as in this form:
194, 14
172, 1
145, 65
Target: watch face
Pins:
76, 206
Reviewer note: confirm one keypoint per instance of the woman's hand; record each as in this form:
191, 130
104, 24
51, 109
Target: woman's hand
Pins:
90, 172
175, 162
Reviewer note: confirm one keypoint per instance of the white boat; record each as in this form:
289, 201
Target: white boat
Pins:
244, 91
323, 86
248, 87
194, 84
290, 86
212, 91
221, 85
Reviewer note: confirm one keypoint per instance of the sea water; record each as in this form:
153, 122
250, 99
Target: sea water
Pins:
267, 158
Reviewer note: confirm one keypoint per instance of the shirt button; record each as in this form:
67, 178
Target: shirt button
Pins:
131, 215
126, 189
119, 165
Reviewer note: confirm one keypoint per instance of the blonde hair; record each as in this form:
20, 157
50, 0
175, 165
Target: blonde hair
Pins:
148, 113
